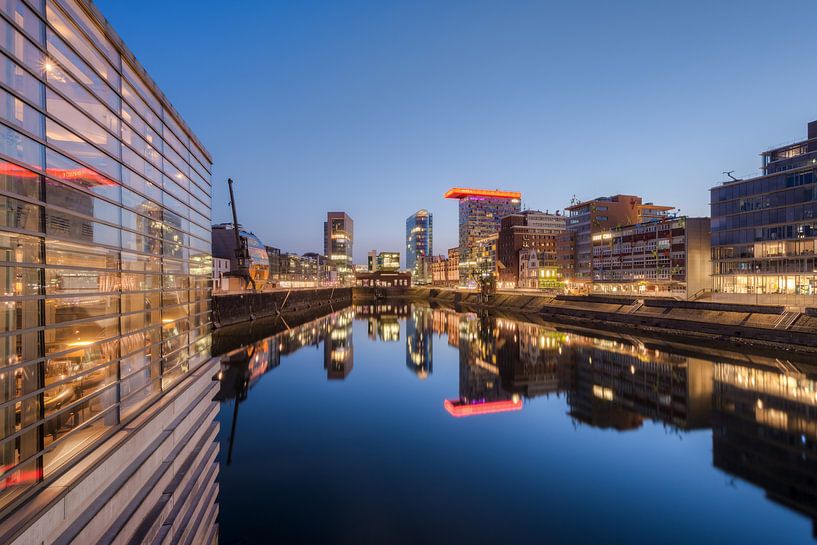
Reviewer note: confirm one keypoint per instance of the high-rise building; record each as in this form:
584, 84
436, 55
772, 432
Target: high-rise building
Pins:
480, 212
528, 229
419, 241
590, 217
764, 229
338, 235
106, 283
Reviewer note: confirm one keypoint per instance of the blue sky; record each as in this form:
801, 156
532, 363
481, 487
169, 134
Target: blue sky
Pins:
377, 108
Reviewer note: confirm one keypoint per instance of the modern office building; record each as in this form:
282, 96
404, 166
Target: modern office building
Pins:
764, 229
388, 261
419, 239
590, 217
527, 229
274, 257
423, 270
480, 212
106, 287
664, 258
338, 236
383, 261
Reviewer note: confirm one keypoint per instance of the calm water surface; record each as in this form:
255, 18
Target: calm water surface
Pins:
400, 424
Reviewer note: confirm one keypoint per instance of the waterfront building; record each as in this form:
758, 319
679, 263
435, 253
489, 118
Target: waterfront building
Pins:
338, 236
422, 270
371, 260
667, 257
484, 254
566, 254
224, 246
388, 261
107, 280
445, 270
537, 270
325, 271
419, 240
383, 279
584, 219
527, 229
480, 212
274, 257
221, 267
764, 229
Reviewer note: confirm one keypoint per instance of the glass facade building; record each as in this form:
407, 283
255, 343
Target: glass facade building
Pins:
338, 236
419, 239
105, 240
764, 229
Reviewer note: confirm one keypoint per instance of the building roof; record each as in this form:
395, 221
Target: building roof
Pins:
462, 192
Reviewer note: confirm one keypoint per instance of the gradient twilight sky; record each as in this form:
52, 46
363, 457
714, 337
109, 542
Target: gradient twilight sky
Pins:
377, 108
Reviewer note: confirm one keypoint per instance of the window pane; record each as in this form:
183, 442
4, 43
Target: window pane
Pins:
21, 81
63, 168
20, 114
66, 84
21, 148
23, 17
75, 146
71, 35
81, 71
20, 47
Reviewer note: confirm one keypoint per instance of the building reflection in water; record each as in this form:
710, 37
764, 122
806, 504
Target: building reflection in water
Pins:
420, 342
762, 411
764, 430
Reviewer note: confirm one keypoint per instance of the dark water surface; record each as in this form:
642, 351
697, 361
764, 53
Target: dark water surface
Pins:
401, 424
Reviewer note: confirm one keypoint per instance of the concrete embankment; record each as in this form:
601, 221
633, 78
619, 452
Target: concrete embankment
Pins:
705, 322
236, 308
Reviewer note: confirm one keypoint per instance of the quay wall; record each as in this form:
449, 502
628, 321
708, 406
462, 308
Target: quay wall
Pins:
237, 308
705, 322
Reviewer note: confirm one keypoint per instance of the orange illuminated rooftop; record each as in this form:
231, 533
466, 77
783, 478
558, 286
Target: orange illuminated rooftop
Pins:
459, 409
462, 192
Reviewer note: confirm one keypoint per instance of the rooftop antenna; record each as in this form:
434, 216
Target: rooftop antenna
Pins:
729, 173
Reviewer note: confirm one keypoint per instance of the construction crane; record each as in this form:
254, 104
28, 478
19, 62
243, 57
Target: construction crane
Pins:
242, 252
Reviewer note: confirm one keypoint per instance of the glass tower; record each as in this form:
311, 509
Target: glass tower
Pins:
104, 240
338, 236
419, 238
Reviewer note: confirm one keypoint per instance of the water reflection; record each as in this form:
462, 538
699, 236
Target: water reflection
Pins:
762, 411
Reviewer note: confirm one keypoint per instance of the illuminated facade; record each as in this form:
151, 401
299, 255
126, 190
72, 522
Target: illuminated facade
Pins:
388, 261
584, 219
764, 229
537, 271
480, 212
338, 236
419, 243
530, 229
668, 257
419, 342
106, 240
